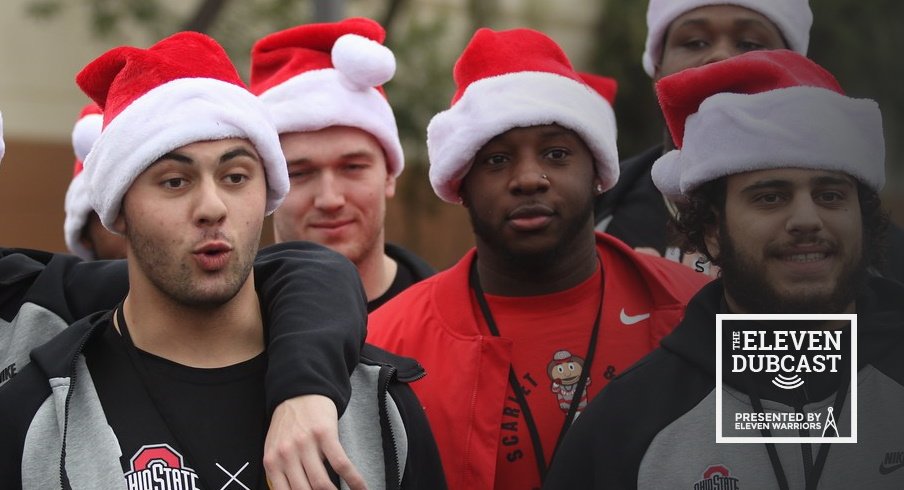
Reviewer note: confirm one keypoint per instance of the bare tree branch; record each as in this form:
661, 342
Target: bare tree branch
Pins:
205, 16
392, 10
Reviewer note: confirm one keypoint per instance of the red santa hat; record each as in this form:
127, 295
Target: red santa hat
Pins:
78, 203
320, 75
607, 87
182, 90
510, 79
762, 110
793, 18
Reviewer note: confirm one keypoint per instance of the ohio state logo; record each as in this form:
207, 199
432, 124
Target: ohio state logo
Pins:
160, 467
717, 477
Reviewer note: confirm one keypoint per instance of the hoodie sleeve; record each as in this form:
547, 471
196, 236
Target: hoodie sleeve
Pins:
311, 298
315, 311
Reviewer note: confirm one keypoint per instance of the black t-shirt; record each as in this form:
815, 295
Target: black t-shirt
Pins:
218, 415
403, 279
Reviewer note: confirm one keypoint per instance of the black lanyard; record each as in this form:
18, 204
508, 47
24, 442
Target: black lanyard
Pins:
812, 470
143, 375
516, 386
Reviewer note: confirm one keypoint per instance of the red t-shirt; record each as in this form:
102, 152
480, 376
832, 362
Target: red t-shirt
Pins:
550, 335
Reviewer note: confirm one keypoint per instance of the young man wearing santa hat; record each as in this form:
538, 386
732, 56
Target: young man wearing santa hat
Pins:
187, 166
525, 146
684, 34
322, 83
85, 235
776, 175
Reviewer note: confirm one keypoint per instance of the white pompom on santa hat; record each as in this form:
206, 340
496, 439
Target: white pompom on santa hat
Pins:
330, 74
765, 110
793, 18
510, 79
182, 90
78, 203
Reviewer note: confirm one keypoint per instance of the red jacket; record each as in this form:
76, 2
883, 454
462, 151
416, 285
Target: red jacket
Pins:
467, 371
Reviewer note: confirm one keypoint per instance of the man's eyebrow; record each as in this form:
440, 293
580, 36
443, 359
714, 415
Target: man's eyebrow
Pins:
747, 22
557, 132
743, 22
175, 156
238, 152
357, 154
830, 180
768, 184
694, 21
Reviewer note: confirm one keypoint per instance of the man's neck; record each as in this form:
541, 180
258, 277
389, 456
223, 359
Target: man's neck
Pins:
195, 337
377, 271
502, 276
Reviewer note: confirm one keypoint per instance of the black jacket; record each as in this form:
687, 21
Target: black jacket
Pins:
634, 210
55, 392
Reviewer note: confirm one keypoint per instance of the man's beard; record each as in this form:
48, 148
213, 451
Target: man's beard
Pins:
745, 281
570, 235
176, 279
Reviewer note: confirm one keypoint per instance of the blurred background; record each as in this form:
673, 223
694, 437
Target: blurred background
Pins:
46, 42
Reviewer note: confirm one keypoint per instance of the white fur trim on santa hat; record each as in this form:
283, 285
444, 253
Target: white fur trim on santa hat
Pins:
172, 115
319, 99
796, 127
792, 17
78, 208
492, 106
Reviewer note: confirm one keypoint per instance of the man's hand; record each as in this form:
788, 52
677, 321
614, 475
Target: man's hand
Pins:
303, 432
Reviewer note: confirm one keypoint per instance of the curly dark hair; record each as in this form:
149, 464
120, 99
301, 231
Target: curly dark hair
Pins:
703, 210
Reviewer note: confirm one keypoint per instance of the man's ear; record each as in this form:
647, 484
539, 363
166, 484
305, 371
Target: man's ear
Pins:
85, 241
597, 186
390, 186
119, 226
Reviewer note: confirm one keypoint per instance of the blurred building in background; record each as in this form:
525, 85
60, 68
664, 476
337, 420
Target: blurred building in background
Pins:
46, 42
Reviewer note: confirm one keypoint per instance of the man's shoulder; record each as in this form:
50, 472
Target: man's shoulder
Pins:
659, 388
666, 278
406, 369
417, 266
452, 280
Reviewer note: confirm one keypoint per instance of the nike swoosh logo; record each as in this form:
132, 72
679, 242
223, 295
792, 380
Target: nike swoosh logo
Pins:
632, 319
884, 470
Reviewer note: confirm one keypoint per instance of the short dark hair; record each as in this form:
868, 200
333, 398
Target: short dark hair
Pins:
704, 210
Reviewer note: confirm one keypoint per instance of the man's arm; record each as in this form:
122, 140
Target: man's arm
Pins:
315, 309
314, 344
311, 297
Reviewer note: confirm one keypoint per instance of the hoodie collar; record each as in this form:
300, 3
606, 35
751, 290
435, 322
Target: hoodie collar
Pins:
56, 358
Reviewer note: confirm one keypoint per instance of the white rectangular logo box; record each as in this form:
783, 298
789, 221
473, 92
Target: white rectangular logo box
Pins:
851, 439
